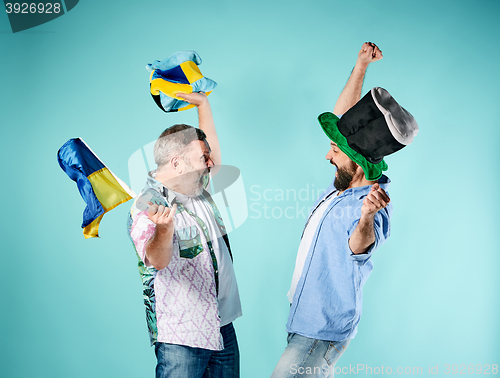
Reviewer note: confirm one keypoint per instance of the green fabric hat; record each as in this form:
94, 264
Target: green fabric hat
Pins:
372, 171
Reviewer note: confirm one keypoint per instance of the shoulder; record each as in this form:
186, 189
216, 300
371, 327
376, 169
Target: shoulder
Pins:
147, 195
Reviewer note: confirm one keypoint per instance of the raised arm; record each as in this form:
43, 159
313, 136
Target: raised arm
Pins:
206, 122
352, 91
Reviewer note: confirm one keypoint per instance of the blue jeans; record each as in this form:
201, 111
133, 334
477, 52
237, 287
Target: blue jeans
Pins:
180, 361
305, 357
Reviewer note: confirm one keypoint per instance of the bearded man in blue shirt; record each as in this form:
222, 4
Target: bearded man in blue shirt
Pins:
348, 222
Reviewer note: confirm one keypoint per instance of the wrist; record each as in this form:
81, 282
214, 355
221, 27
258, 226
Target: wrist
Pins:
164, 231
367, 217
203, 103
360, 65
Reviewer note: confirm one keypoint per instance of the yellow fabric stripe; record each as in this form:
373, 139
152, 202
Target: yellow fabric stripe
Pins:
110, 194
168, 88
92, 230
191, 71
108, 191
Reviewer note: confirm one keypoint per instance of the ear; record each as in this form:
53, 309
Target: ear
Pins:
359, 170
175, 162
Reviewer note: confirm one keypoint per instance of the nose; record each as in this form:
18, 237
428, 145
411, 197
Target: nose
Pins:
210, 163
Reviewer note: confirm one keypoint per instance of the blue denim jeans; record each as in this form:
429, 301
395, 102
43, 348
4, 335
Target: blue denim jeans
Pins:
180, 361
305, 357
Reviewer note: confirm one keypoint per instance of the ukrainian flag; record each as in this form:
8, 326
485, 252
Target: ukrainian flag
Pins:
99, 187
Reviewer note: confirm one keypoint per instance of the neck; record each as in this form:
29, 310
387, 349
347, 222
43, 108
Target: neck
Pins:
359, 180
185, 184
173, 182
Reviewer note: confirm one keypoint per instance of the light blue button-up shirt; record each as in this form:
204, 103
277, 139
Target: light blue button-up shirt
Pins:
328, 298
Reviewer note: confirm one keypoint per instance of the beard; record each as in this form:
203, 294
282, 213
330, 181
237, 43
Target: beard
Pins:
197, 182
344, 176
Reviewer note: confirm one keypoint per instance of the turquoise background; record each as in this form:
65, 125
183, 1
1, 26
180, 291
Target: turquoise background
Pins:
73, 307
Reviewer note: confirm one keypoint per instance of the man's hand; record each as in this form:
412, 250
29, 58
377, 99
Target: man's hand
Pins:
162, 216
376, 200
195, 98
159, 248
369, 53
363, 236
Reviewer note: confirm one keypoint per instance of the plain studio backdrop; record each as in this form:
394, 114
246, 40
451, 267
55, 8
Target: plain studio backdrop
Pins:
73, 307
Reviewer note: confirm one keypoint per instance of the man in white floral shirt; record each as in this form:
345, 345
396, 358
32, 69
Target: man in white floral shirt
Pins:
185, 260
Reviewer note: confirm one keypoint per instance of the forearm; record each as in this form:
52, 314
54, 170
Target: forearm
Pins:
159, 248
352, 91
363, 236
206, 123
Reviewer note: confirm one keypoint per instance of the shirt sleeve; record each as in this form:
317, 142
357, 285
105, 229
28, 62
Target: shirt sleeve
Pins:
142, 230
382, 228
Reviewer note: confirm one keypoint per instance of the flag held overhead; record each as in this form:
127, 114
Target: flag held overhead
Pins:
178, 73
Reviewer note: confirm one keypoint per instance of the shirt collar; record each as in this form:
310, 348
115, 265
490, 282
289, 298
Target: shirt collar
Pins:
362, 191
159, 187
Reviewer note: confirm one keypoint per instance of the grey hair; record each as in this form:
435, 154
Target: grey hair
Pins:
174, 140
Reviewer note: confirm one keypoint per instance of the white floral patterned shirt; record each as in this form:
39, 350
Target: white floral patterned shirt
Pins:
181, 300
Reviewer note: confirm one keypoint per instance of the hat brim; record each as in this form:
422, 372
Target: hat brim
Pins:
328, 122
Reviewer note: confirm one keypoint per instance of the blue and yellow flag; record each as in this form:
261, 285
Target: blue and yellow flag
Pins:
99, 187
178, 73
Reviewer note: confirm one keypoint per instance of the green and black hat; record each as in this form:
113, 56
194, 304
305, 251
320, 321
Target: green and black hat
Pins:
375, 127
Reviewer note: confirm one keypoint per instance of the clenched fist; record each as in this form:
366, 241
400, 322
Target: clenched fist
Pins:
369, 53
376, 200
162, 216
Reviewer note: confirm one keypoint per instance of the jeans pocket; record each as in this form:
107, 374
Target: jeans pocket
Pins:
335, 350
189, 242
